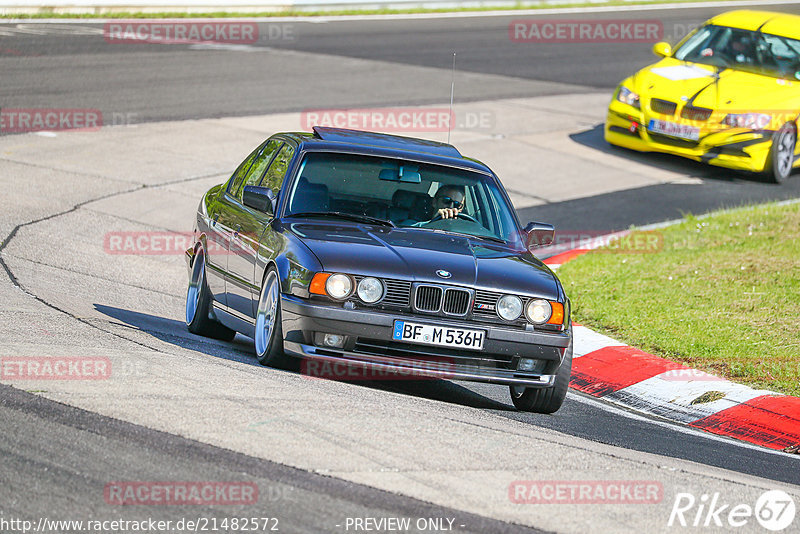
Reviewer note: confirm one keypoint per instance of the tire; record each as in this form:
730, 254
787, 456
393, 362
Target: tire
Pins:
198, 305
545, 400
269, 334
781, 154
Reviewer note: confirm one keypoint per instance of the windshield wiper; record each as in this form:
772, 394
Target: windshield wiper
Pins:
343, 215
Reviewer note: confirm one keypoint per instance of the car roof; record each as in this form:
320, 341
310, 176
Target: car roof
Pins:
381, 144
386, 140
783, 24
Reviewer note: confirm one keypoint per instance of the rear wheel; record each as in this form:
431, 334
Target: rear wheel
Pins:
269, 335
781, 155
545, 400
198, 305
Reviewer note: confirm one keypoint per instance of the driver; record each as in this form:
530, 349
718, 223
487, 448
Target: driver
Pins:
740, 48
448, 202
744, 49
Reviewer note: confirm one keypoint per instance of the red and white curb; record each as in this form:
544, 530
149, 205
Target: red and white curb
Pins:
605, 368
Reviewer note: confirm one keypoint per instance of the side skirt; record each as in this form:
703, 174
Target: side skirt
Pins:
235, 320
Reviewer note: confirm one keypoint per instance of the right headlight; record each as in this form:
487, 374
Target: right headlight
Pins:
626, 96
509, 307
751, 121
538, 311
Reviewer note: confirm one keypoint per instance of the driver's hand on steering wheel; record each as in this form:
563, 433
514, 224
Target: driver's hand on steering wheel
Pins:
449, 213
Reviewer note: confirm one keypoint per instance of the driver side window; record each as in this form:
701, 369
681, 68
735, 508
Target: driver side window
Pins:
277, 170
258, 167
235, 181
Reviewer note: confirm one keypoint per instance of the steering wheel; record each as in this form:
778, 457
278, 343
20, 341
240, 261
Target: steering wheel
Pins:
460, 214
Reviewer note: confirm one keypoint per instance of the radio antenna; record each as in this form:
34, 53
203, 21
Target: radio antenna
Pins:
452, 89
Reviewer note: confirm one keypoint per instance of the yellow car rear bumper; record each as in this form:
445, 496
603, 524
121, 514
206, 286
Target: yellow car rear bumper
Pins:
733, 148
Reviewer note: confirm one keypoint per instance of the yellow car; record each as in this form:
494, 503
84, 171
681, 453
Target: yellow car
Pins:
728, 95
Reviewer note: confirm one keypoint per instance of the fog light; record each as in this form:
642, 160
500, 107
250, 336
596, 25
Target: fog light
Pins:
333, 340
526, 364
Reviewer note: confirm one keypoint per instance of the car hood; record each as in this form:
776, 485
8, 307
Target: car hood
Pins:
417, 255
737, 91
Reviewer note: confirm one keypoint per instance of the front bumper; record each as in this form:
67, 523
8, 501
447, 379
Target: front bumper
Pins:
732, 148
370, 346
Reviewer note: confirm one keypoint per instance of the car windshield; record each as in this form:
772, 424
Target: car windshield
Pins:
750, 51
400, 193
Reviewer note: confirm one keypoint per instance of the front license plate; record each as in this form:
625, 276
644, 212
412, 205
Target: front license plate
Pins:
443, 336
674, 130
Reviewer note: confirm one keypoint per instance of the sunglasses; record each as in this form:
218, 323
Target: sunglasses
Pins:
448, 201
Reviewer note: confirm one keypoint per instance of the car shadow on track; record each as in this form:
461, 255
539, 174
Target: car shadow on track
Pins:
175, 333
241, 350
440, 390
692, 169
718, 188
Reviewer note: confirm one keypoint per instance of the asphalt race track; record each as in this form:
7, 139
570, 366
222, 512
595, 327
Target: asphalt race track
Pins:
179, 407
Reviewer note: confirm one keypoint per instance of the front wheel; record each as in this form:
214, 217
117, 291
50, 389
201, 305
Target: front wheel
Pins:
269, 335
198, 305
545, 400
781, 155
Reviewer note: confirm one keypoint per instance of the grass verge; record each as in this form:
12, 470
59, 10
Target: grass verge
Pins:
722, 295
52, 13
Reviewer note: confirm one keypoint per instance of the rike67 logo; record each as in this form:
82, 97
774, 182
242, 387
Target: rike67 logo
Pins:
774, 510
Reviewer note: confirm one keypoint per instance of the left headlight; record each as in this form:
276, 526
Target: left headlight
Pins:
626, 96
538, 311
370, 290
751, 121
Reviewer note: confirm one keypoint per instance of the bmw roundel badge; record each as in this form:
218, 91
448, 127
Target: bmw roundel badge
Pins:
441, 273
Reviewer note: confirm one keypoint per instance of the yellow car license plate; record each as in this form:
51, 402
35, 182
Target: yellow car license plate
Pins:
673, 129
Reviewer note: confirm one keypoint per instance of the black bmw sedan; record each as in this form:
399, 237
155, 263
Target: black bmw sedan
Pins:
381, 253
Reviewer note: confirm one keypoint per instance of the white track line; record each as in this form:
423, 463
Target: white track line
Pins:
585, 399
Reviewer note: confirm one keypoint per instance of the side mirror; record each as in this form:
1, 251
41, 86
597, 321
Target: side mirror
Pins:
259, 198
539, 235
662, 49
